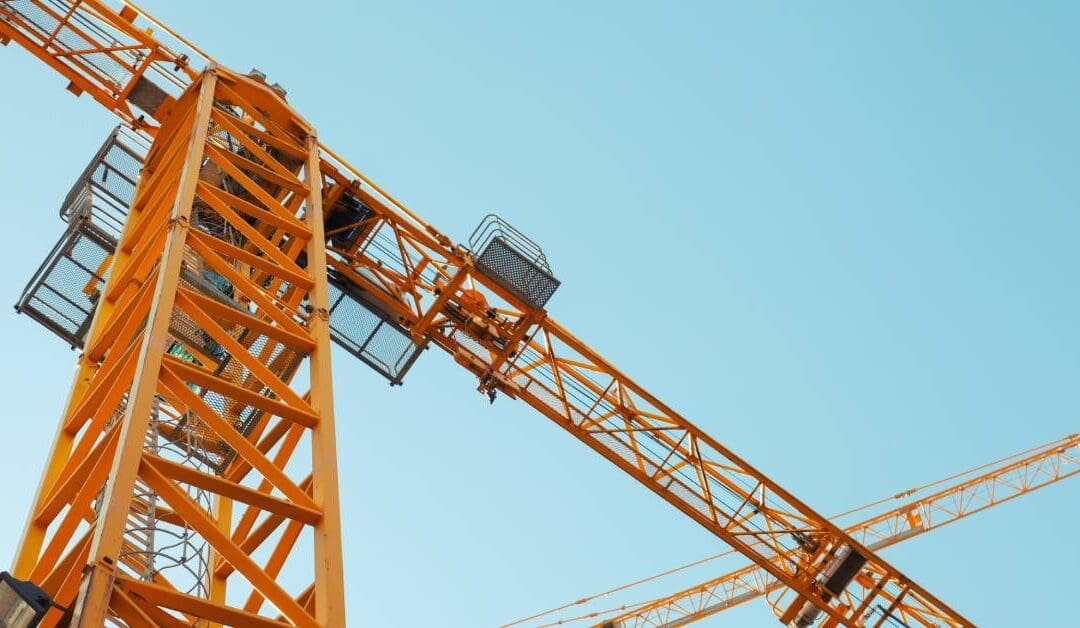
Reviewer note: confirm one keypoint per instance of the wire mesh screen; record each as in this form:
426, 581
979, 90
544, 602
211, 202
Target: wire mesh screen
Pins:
104, 191
49, 18
363, 330
64, 291
62, 294
501, 261
513, 260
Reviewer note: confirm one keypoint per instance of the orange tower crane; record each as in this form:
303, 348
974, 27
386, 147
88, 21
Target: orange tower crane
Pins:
964, 495
247, 247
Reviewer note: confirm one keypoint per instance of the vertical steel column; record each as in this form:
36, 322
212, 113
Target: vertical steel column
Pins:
329, 585
93, 602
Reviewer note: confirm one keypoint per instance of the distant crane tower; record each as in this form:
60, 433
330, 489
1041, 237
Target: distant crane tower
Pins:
218, 246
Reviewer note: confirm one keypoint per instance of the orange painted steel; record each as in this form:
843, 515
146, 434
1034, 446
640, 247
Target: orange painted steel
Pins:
249, 337
994, 484
421, 279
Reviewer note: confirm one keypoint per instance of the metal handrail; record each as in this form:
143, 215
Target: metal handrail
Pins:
492, 226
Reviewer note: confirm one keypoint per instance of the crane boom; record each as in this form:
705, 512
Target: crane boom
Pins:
995, 484
482, 304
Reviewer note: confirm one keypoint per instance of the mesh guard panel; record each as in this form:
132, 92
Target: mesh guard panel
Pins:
105, 189
517, 273
63, 293
514, 261
360, 327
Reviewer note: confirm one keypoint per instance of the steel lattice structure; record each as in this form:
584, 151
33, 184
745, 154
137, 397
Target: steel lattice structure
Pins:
230, 402
242, 230
1002, 482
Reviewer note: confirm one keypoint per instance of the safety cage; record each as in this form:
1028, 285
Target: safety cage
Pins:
513, 261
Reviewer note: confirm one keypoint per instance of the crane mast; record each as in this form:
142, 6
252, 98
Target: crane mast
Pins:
997, 483
244, 236
205, 370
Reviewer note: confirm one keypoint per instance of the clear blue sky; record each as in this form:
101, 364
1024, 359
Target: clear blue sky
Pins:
840, 238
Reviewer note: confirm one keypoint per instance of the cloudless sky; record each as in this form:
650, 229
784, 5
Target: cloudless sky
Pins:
841, 238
